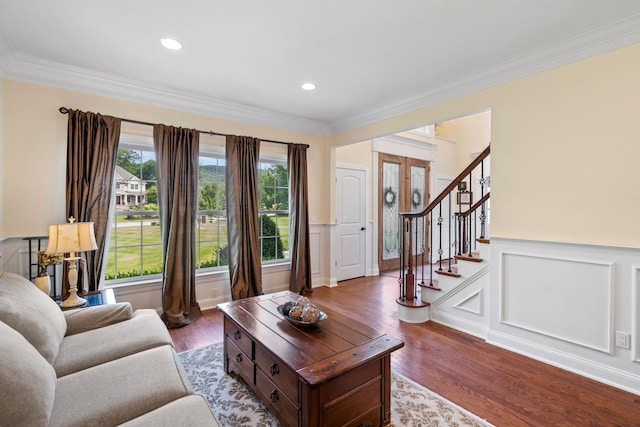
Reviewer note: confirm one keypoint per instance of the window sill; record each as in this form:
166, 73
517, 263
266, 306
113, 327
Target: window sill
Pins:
218, 274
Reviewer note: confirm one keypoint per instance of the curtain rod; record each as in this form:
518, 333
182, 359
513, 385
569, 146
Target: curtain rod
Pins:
65, 110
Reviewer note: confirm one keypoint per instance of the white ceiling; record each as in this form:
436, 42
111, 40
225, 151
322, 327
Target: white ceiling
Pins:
246, 59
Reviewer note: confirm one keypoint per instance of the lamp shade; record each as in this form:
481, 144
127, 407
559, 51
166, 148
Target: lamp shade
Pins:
71, 237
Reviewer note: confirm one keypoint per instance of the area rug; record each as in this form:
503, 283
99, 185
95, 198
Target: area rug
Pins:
234, 404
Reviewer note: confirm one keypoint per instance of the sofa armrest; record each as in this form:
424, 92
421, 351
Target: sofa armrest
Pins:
86, 319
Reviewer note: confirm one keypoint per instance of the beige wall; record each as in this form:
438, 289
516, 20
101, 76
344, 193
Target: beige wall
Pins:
35, 150
471, 134
564, 150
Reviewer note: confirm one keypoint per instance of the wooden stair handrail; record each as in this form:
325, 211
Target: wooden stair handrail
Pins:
453, 184
475, 206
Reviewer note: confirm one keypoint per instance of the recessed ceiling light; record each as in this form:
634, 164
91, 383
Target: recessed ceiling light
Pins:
308, 86
171, 44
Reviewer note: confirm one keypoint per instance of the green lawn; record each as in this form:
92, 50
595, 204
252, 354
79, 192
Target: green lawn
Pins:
135, 260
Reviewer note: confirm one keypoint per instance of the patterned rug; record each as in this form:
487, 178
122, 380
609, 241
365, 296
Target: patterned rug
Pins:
234, 404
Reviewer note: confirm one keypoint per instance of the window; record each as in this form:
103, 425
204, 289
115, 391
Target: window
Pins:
135, 247
211, 228
273, 205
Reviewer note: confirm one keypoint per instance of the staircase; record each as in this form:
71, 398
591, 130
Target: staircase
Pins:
447, 280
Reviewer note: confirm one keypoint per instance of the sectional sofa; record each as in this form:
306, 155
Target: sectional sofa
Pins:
95, 366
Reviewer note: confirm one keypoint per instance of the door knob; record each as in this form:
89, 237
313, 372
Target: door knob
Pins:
363, 228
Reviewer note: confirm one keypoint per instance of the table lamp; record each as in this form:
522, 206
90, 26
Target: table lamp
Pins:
71, 238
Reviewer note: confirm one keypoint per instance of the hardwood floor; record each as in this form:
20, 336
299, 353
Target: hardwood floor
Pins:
503, 387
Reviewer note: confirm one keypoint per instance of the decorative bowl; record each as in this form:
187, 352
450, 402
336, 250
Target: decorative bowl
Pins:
282, 310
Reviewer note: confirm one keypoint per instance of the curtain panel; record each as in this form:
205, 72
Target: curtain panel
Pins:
245, 268
177, 151
92, 146
300, 277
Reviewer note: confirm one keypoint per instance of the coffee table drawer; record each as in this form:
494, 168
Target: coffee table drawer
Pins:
239, 362
239, 337
273, 395
276, 371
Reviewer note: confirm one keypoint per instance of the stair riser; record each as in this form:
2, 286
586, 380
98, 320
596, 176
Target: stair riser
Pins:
468, 268
445, 283
484, 250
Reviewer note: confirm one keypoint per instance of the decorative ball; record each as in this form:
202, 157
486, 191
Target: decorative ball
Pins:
302, 301
286, 307
296, 312
310, 313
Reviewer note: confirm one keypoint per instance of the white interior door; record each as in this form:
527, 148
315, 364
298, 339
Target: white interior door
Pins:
351, 222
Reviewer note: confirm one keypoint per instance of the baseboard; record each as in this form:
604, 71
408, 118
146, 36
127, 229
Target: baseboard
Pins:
586, 368
465, 325
210, 303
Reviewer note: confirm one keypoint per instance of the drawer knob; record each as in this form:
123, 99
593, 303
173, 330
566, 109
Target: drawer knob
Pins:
239, 357
236, 335
274, 395
274, 369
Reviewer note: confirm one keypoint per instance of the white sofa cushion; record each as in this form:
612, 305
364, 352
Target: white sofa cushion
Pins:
80, 351
32, 313
28, 382
120, 390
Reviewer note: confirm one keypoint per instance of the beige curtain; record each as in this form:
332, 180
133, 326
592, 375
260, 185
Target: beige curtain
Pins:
177, 179
92, 146
245, 268
300, 278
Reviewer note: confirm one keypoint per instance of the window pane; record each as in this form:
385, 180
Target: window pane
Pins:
211, 238
151, 260
282, 199
129, 262
269, 248
151, 229
267, 199
282, 221
148, 166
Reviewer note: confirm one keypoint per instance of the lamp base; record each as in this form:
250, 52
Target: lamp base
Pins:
73, 301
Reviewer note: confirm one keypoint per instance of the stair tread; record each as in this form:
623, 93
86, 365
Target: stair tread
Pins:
416, 303
447, 273
483, 240
432, 285
474, 258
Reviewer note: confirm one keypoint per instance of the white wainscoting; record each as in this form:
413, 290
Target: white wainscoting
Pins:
563, 304
567, 299
635, 331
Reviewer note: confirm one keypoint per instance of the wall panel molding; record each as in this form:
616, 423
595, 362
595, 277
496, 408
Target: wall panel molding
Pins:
564, 298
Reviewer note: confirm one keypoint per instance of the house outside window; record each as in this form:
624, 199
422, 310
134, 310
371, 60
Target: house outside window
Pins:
135, 249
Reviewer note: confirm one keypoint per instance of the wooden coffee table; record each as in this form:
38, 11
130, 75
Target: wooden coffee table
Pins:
337, 373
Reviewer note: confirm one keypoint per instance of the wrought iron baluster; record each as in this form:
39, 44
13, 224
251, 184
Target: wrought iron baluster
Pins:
430, 248
449, 262
482, 212
440, 251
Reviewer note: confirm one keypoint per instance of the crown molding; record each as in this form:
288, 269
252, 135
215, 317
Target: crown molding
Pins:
602, 39
51, 73
5, 54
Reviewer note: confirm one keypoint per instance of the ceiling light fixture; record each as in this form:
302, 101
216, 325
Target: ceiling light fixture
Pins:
308, 86
171, 44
